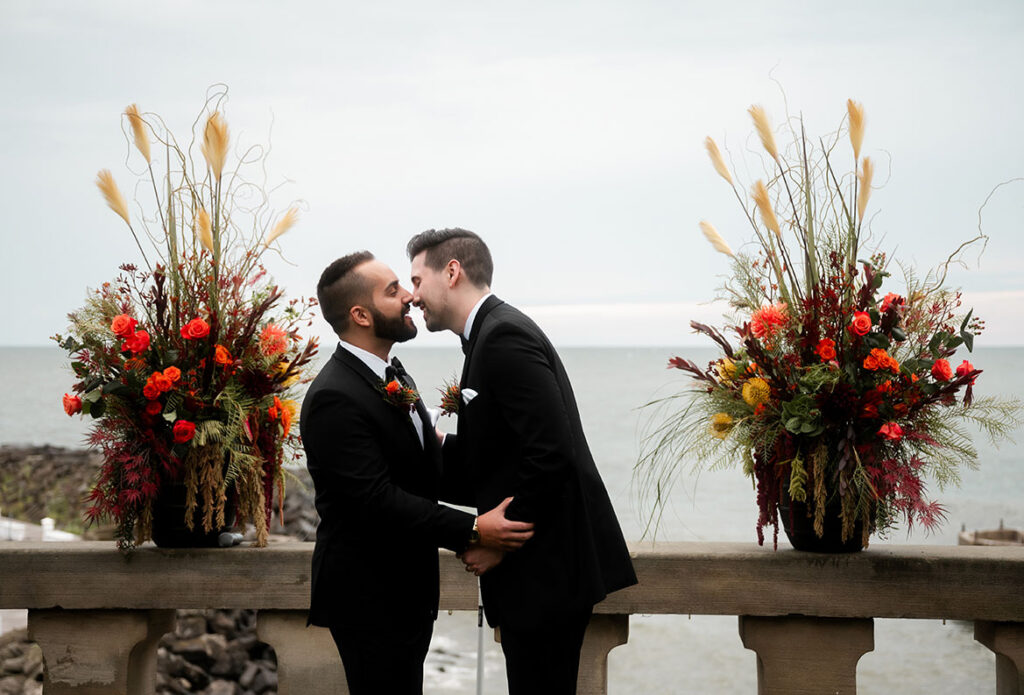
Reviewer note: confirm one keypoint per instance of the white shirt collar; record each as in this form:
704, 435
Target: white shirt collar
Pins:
472, 315
376, 364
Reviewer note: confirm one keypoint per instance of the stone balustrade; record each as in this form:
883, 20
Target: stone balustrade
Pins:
98, 615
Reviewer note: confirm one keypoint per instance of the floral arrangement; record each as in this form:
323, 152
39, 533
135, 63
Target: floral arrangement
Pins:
188, 364
840, 394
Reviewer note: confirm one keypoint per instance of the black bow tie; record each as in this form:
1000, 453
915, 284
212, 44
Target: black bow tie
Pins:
465, 345
395, 370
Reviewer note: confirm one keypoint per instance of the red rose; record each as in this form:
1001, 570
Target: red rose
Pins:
861, 323
150, 391
941, 371
123, 326
183, 431
154, 407
136, 343
173, 373
195, 329
964, 369
826, 349
72, 404
891, 431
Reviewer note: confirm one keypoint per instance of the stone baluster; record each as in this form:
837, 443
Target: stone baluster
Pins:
798, 655
604, 633
1007, 641
87, 652
307, 658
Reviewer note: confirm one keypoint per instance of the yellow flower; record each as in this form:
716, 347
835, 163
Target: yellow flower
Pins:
756, 392
281, 368
726, 370
721, 423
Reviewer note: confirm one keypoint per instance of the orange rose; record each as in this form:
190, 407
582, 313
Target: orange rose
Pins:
221, 355
123, 326
161, 382
173, 373
826, 349
861, 323
150, 391
393, 387
871, 362
195, 329
72, 404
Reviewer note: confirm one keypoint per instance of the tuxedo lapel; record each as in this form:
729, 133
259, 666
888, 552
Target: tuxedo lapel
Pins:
373, 381
478, 322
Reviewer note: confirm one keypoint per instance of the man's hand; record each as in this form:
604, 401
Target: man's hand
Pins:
499, 533
479, 559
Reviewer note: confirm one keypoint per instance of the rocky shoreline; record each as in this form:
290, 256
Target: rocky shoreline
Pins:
214, 652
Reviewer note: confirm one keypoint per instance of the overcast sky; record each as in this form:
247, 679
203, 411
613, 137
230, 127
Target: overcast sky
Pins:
569, 135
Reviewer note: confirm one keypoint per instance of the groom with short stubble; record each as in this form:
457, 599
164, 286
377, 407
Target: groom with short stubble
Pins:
375, 461
519, 435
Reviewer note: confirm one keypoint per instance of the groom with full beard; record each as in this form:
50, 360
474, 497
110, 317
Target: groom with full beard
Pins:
375, 461
519, 434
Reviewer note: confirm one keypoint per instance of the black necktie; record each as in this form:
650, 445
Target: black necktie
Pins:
395, 370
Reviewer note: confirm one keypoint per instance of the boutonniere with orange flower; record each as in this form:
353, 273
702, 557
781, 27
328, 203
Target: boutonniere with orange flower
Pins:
451, 398
398, 395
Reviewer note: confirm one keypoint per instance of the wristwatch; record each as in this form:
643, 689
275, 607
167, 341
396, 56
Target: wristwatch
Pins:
474, 535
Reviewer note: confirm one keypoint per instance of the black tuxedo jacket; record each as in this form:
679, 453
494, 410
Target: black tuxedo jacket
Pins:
521, 436
376, 493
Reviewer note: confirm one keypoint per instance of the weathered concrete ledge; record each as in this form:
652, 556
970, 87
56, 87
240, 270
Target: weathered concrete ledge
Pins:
956, 582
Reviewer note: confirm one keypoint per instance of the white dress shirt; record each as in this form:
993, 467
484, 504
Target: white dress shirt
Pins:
472, 316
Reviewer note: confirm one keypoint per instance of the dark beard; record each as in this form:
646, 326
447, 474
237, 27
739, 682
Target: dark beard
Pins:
392, 328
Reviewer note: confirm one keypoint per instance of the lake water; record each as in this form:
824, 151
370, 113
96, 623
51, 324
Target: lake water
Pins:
665, 654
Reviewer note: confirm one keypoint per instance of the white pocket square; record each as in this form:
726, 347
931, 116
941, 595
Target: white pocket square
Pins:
468, 395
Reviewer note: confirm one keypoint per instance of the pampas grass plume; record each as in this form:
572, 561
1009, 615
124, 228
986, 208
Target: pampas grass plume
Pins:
764, 130
205, 230
716, 159
283, 225
866, 174
112, 194
856, 112
712, 235
138, 130
764, 204
215, 142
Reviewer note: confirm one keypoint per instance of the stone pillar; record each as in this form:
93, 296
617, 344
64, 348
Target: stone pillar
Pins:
604, 633
99, 652
1007, 641
798, 655
307, 658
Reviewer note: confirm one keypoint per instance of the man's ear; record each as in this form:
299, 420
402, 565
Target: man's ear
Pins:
360, 316
454, 271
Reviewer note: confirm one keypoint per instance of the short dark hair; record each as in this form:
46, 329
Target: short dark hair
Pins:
340, 288
462, 245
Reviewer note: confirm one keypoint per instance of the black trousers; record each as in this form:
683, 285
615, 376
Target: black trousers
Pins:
385, 655
545, 660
